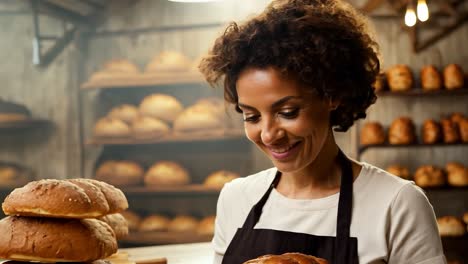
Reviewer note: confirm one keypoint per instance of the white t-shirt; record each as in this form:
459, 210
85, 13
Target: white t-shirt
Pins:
391, 218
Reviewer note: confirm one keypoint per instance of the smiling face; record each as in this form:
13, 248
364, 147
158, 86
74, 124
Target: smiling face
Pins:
289, 124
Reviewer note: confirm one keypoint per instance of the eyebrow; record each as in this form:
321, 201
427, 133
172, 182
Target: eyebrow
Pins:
274, 105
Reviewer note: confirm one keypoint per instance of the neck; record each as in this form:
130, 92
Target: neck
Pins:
319, 179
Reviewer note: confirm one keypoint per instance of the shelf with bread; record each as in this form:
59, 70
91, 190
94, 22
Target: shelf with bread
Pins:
167, 68
13, 175
14, 116
399, 80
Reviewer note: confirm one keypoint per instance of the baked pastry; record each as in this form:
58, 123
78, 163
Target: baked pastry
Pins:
217, 179
207, 225
120, 173
197, 119
114, 69
114, 196
429, 176
372, 133
161, 106
431, 132
380, 82
118, 223
155, 223
430, 78
165, 173
168, 61
450, 226
12, 112
111, 127
55, 240
457, 174
183, 223
133, 220
124, 112
287, 258
450, 131
463, 129
400, 78
453, 77
402, 131
146, 127
399, 171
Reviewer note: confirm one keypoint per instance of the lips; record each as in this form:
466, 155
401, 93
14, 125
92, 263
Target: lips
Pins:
283, 152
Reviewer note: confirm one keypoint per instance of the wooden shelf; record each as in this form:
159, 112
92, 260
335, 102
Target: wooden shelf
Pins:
174, 138
29, 123
164, 238
364, 148
419, 92
145, 80
184, 189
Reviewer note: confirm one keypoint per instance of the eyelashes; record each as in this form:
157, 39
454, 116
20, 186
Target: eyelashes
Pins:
287, 114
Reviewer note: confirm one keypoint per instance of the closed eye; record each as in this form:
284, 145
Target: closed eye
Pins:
290, 114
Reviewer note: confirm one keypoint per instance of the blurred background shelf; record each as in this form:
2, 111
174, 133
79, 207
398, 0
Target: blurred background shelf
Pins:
22, 125
420, 92
163, 238
363, 149
185, 189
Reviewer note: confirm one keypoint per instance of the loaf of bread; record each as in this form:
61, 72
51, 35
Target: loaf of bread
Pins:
429, 176
124, 112
213, 104
114, 69
133, 219
55, 240
166, 173
400, 78
287, 258
399, 171
402, 131
114, 196
372, 133
457, 117
183, 223
450, 131
12, 112
431, 132
457, 174
207, 225
450, 226
146, 127
120, 173
155, 222
453, 77
217, 179
111, 128
161, 106
197, 119
168, 61
118, 223
430, 78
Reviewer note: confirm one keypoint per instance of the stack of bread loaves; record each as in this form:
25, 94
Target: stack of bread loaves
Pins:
57, 221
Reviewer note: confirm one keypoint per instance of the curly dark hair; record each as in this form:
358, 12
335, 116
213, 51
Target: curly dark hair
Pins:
324, 44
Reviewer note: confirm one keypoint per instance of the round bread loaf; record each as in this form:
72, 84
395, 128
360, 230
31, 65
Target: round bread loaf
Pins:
450, 131
402, 131
165, 173
429, 176
450, 226
217, 179
400, 78
197, 119
114, 196
124, 112
183, 223
431, 132
10, 112
111, 127
457, 174
168, 61
453, 77
118, 224
146, 127
214, 104
133, 220
372, 133
399, 171
287, 258
457, 117
120, 173
155, 223
55, 240
115, 68
430, 78
161, 106
206, 226
52, 198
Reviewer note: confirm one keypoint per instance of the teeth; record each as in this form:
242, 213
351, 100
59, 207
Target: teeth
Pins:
282, 150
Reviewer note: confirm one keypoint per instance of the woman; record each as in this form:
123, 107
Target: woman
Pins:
296, 72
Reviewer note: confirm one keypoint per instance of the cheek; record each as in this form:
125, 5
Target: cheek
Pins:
251, 132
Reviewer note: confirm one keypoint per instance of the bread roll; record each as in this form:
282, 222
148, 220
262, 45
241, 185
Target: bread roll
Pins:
457, 174
372, 133
453, 77
166, 173
399, 171
402, 131
457, 117
183, 223
197, 119
463, 129
430, 78
217, 179
12, 112
450, 131
111, 127
55, 240
115, 197
287, 258
154, 223
168, 61
118, 223
114, 69
120, 173
124, 112
146, 127
450, 226
52, 198
431, 132
161, 106
429, 176
133, 220
400, 78
207, 225
213, 104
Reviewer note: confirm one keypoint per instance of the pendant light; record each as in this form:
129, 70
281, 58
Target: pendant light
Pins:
422, 10
410, 16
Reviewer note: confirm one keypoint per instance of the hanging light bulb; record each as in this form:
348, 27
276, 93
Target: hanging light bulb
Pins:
422, 10
410, 16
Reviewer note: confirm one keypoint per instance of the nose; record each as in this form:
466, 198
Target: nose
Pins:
271, 132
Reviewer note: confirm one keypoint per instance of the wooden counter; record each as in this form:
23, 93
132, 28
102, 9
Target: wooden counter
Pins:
196, 253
